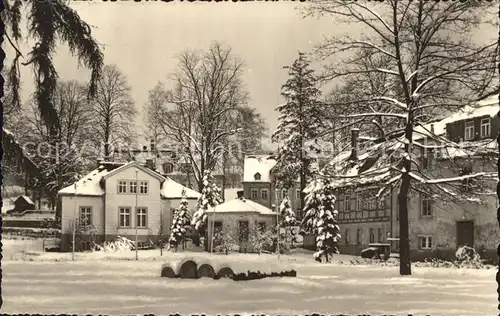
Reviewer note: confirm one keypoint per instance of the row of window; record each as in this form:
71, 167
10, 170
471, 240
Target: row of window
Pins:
124, 217
264, 194
129, 186
377, 235
371, 208
484, 132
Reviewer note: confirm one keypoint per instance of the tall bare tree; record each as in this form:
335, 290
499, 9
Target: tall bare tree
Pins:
202, 110
114, 109
434, 63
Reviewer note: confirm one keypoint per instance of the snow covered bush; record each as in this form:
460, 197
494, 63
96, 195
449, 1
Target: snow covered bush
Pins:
320, 219
119, 244
210, 197
180, 219
225, 242
467, 254
261, 239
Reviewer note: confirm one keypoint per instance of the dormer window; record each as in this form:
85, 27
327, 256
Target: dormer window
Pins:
257, 176
485, 127
469, 130
168, 167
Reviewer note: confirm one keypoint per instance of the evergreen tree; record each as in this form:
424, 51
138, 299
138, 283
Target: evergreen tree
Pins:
299, 122
287, 216
210, 197
320, 219
180, 219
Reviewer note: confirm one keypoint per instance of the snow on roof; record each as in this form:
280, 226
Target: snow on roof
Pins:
27, 199
241, 206
232, 193
488, 107
173, 190
89, 184
258, 164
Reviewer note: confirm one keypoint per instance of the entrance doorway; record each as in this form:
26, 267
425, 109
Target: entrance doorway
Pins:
465, 233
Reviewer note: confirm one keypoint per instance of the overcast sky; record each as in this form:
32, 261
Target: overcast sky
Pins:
143, 39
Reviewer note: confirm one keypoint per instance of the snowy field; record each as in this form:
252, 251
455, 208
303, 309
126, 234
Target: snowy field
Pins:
109, 283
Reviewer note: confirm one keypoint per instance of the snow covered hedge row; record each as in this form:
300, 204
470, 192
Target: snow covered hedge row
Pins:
466, 257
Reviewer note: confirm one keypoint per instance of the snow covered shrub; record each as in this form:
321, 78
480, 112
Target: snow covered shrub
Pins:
180, 219
261, 239
210, 197
119, 244
225, 242
320, 218
467, 254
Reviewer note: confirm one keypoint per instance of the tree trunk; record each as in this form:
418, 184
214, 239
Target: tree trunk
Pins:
404, 240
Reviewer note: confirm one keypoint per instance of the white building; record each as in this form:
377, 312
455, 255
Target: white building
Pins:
115, 199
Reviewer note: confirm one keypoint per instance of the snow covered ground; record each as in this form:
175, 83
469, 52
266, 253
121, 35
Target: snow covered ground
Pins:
97, 284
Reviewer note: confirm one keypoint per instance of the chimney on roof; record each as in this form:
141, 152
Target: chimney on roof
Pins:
354, 143
99, 161
239, 194
150, 164
432, 128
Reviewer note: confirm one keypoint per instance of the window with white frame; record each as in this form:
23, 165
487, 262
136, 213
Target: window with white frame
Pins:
346, 236
122, 186
297, 194
143, 187
284, 193
257, 176
425, 242
142, 216
254, 194
359, 236
469, 130
124, 216
485, 127
85, 215
426, 207
263, 194
132, 187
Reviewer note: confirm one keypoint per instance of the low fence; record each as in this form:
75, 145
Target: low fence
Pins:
29, 221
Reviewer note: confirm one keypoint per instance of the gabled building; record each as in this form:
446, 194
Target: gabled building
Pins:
115, 199
18, 168
258, 184
441, 217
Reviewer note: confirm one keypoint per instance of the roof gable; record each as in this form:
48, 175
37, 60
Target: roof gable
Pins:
138, 166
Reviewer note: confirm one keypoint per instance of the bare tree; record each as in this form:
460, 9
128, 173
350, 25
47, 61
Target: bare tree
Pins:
433, 63
60, 162
204, 104
157, 98
114, 109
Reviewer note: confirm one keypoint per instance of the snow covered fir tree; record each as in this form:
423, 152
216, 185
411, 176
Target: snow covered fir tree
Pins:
287, 216
180, 219
210, 197
299, 122
320, 219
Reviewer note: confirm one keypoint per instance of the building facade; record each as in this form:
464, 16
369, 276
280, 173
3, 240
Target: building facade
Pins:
120, 200
258, 185
441, 217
